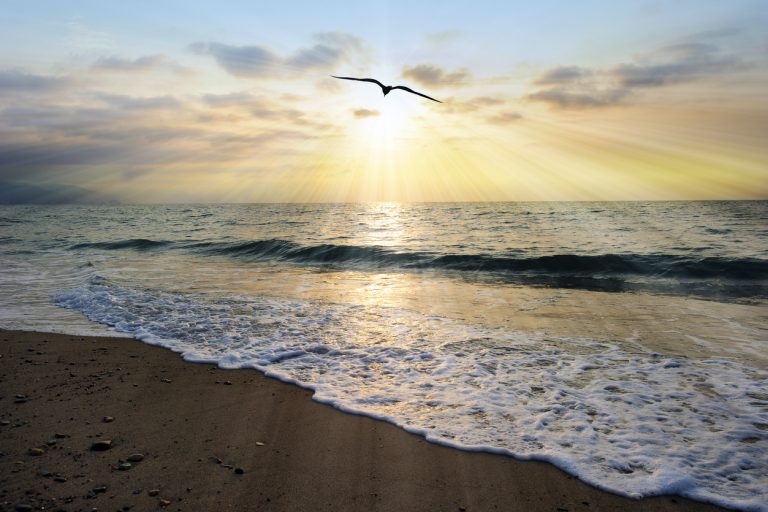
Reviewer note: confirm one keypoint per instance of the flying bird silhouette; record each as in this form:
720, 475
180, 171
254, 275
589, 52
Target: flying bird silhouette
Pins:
386, 88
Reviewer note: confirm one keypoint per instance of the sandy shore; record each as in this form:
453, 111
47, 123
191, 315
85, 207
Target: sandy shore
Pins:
232, 440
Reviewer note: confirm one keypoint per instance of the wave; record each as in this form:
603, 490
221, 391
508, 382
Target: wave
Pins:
724, 278
139, 244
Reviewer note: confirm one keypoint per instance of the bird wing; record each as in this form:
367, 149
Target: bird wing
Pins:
414, 92
372, 80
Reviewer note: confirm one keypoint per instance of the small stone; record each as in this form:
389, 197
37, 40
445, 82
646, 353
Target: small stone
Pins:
125, 466
136, 491
227, 382
101, 446
23, 507
167, 381
228, 466
259, 443
5, 423
107, 419
36, 451
59, 479
59, 436
164, 502
99, 489
20, 400
46, 474
153, 492
239, 471
50, 442
216, 460
135, 457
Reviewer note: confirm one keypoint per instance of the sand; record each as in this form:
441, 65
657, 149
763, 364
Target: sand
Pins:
215, 439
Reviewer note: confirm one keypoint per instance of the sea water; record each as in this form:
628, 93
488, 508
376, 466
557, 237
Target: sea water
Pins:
626, 343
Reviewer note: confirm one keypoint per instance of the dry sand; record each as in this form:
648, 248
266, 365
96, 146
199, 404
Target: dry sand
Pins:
198, 427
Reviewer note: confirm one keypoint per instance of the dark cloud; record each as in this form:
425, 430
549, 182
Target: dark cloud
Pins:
132, 136
26, 193
573, 87
564, 99
504, 118
362, 113
678, 63
139, 64
433, 76
562, 75
14, 81
332, 49
241, 61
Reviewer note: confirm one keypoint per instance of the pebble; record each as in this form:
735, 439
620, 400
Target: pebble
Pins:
59, 436
20, 399
153, 492
23, 507
36, 451
125, 466
239, 471
227, 382
5, 423
259, 443
99, 489
101, 446
51, 442
59, 479
164, 502
167, 381
135, 457
107, 419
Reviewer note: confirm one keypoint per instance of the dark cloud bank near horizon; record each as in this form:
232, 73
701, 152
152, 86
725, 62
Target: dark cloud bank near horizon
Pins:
26, 193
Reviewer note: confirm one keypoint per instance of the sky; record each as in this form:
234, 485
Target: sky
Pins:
232, 101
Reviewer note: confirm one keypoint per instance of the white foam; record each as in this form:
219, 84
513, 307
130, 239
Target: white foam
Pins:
634, 423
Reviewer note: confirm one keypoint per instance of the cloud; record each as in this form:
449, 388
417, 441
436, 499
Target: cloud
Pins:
433, 76
574, 87
331, 50
454, 105
362, 113
123, 102
27, 193
241, 61
486, 101
14, 81
679, 63
260, 108
504, 118
564, 99
139, 64
562, 74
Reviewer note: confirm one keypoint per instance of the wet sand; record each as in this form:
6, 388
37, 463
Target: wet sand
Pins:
215, 439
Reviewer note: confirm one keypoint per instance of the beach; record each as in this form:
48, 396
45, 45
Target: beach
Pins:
214, 439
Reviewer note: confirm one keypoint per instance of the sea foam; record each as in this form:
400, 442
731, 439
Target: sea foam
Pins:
618, 417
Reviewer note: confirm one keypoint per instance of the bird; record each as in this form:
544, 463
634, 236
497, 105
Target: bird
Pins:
386, 88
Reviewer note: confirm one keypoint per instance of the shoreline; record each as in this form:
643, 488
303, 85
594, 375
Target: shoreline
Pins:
190, 421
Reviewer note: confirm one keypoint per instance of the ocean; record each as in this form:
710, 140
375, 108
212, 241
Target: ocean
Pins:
625, 342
